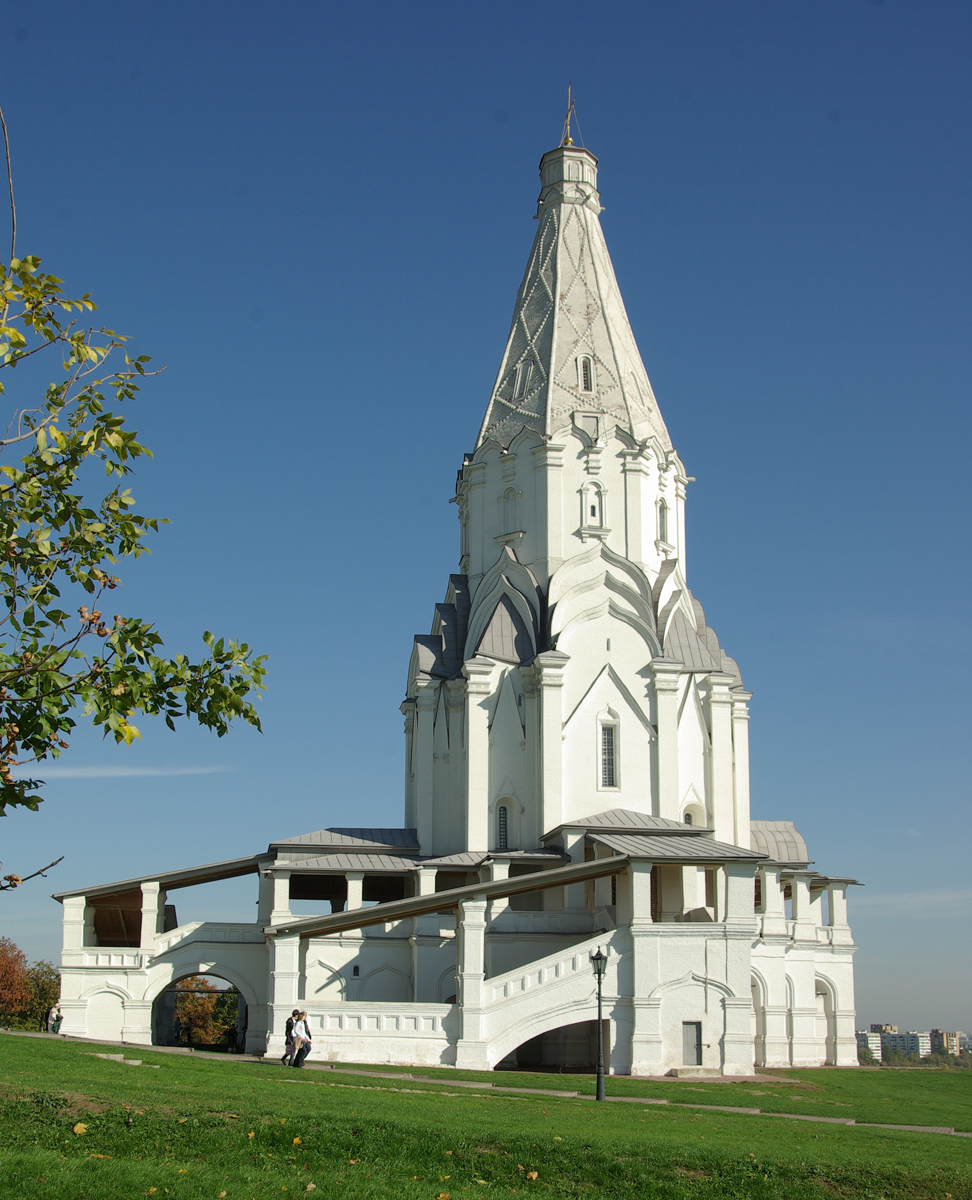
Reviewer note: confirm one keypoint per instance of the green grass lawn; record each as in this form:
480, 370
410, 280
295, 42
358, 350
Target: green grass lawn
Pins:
76, 1127
906, 1097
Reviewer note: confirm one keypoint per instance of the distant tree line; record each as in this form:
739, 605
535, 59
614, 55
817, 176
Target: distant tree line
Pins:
27, 991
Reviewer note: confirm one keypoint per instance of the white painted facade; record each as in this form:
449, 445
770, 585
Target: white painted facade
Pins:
570, 711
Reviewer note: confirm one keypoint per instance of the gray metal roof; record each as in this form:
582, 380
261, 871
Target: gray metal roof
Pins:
353, 839
684, 645
465, 858
412, 906
352, 861
779, 841
669, 849
230, 868
624, 820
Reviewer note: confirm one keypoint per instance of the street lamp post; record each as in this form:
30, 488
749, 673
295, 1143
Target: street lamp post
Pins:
599, 963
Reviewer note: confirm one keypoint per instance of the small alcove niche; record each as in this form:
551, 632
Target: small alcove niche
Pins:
663, 521
509, 515
608, 751
585, 374
593, 522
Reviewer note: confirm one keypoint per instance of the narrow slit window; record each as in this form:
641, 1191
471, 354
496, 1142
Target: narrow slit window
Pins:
502, 828
688, 818
587, 375
609, 771
521, 383
593, 510
663, 522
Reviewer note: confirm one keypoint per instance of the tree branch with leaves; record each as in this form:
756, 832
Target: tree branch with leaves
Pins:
58, 547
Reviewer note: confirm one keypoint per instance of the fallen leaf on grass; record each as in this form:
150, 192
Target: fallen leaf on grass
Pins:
151, 1191
251, 1134
448, 1152
532, 1174
296, 1141
99, 1156
182, 1171
311, 1187
353, 1161
79, 1129
220, 1195
481, 1182
442, 1196
557, 1139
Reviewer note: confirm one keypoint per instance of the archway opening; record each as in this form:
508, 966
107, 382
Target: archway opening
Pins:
204, 1011
570, 1048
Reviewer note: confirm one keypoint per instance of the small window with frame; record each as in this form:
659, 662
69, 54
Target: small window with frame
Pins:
585, 373
609, 755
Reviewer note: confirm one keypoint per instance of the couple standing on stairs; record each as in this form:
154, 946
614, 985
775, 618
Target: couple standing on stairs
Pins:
298, 1040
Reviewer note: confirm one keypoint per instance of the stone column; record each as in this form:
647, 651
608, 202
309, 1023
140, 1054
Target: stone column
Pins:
772, 909
532, 819
265, 898
426, 944
284, 983
840, 929
740, 766
73, 922
152, 917
423, 764
479, 686
355, 888
499, 869
549, 668
281, 898
679, 519
471, 1052
666, 675
718, 704
639, 976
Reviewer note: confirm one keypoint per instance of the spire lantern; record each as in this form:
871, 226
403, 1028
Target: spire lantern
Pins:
568, 175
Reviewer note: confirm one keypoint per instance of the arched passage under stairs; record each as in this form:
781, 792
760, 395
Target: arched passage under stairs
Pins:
204, 1010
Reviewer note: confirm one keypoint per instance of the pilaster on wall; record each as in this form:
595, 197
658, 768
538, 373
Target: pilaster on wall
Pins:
718, 705
408, 712
666, 675
634, 911
471, 1048
423, 763
548, 462
636, 470
533, 818
740, 766
474, 475
549, 670
479, 676
284, 985
841, 931
425, 943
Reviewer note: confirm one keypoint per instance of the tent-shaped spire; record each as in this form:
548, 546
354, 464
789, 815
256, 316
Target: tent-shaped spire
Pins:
570, 349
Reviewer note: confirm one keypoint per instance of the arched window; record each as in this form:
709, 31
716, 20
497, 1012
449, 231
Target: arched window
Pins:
503, 828
662, 521
688, 818
586, 374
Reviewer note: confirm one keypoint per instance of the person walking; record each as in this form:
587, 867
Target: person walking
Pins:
290, 1049
302, 1033
54, 1018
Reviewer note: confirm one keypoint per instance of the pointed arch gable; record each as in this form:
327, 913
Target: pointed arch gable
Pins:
506, 637
508, 578
385, 978
609, 671
690, 977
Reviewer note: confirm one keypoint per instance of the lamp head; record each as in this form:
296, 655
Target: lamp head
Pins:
599, 962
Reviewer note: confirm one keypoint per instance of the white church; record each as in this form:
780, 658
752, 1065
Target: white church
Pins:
576, 777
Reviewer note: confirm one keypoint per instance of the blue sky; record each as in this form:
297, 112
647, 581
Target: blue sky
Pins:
318, 215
